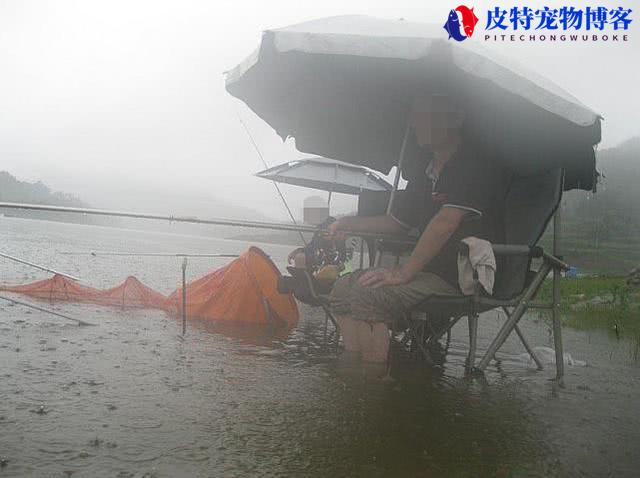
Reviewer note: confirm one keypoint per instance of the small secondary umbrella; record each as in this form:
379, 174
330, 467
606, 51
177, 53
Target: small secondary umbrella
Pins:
342, 87
327, 175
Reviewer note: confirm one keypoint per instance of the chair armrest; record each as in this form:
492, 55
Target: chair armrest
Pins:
508, 250
555, 262
517, 250
505, 250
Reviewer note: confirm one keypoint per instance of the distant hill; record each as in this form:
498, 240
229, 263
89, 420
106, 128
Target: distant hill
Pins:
14, 190
137, 200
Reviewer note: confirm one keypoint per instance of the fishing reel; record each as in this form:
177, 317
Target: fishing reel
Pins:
324, 250
324, 254
316, 266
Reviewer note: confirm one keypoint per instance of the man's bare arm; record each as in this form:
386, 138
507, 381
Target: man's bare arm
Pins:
434, 237
380, 224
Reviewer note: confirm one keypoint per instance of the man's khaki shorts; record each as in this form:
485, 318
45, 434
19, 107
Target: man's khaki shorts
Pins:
384, 304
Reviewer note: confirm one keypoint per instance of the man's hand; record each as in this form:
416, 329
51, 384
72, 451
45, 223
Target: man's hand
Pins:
384, 277
293, 255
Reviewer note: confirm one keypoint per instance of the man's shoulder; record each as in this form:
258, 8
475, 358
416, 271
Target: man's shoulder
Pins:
468, 162
476, 162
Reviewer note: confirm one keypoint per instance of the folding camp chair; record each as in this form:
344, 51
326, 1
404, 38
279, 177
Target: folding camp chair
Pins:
530, 204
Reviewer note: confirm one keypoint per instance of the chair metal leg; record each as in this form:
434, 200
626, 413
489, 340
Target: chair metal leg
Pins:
389, 355
557, 326
428, 323
326, 323
329, 316
425, 352
557, 342
555, 314
472, 319
417, 340
513, 319
528, 347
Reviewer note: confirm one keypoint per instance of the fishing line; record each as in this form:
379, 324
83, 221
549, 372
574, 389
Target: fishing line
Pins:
143, 254
284, 201
42, 309
37, 266
276, 226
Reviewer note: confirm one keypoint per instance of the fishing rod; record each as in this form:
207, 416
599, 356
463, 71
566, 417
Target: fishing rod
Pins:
42, 309
37, 266
144, 254
266, 166
194, 220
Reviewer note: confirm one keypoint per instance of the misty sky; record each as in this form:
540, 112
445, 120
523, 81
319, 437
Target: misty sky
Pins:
123, 102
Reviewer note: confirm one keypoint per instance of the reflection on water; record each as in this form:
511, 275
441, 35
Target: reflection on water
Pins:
132, 398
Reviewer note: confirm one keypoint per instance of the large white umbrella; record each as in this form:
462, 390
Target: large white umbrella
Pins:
342, 87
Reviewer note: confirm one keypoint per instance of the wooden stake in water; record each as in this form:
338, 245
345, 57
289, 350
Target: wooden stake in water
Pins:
184, 296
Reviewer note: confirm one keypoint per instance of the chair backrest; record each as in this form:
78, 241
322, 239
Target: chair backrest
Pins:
530, 204
373, 203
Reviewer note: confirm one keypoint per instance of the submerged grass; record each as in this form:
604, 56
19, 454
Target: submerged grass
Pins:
606, 303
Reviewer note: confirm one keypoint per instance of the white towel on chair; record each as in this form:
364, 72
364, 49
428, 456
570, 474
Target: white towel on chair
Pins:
480, 259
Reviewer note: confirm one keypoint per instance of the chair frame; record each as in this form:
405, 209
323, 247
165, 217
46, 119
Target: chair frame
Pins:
471, 306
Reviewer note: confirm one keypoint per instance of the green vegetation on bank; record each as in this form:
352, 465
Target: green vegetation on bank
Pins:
601, 231
598, 303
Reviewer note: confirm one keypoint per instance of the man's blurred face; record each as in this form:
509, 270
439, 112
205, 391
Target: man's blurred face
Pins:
436, 120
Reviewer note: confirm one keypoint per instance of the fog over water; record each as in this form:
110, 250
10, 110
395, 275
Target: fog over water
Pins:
123, 102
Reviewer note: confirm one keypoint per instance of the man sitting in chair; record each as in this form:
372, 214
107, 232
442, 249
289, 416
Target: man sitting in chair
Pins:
461, 195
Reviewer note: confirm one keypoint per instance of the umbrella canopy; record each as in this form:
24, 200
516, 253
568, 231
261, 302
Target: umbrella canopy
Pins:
327, 175
342, 87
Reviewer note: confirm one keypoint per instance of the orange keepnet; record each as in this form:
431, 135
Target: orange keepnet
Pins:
243, 291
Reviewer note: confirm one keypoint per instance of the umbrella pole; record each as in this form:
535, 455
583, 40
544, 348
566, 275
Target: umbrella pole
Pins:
396, 181
335, 180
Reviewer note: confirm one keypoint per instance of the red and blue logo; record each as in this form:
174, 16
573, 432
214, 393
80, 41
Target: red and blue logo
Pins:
461, 23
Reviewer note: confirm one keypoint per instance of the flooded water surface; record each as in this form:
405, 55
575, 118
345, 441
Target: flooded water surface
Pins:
130, 397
